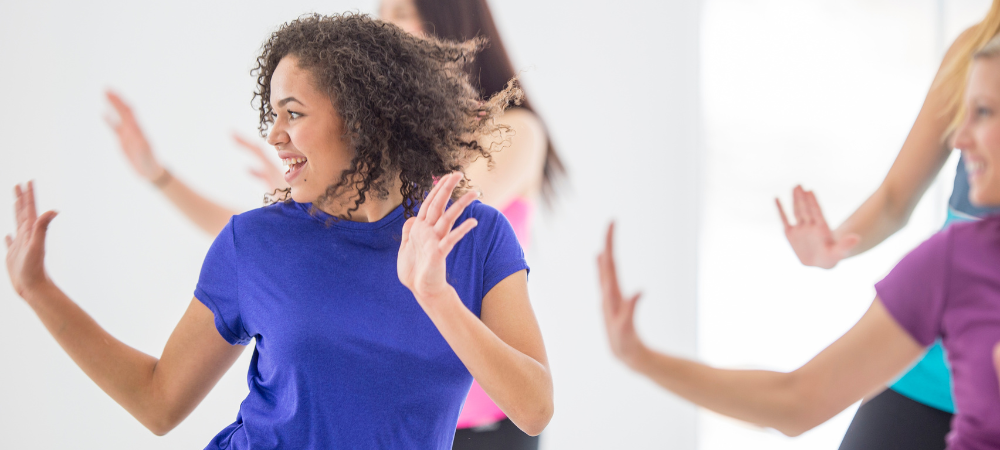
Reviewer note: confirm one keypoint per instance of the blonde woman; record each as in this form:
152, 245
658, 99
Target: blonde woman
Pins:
918, 407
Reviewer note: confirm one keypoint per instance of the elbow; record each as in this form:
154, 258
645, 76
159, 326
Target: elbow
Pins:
533, 426
161, 422
805, 407
534, 422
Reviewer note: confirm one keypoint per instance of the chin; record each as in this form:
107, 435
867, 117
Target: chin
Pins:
983, 200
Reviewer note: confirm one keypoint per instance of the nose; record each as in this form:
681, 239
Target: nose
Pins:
963, 135
277, 135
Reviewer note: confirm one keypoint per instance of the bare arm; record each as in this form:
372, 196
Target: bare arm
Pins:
888, 209
159, 393
517, 168
861, 361
503, 351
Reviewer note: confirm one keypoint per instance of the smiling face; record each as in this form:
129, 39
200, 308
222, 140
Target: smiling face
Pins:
979, 135
403, 14
307, 132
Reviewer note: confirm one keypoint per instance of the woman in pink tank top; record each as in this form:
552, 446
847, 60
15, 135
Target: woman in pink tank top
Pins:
521, 173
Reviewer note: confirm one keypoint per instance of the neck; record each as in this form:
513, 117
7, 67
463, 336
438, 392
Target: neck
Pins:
372, 210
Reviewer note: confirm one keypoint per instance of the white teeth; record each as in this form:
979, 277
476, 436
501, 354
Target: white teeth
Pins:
974, 166
291, 161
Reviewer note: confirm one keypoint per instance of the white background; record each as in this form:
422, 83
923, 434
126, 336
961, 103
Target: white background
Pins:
616, 83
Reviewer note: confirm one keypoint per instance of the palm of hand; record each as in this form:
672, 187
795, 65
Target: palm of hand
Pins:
132, 140
26, 250
619, 313
811, 238
421, 264
429, 237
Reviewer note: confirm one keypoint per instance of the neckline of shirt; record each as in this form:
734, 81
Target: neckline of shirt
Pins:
334, 222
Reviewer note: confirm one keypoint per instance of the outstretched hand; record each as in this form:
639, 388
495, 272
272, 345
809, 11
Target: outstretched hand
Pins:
132, 140
811, 238
619, 312
267, 171
429, 237
26, 250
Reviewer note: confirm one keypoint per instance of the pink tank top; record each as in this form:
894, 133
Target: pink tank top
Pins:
479, 410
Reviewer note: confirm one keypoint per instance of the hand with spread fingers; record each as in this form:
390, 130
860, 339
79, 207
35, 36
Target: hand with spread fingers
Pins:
429, 237
619, 312
267, 172
132, 140
811, 238
26, 249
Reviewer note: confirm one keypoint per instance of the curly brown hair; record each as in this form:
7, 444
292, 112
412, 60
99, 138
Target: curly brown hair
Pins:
408, 107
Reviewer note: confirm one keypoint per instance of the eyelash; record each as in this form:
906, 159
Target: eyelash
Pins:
293, 114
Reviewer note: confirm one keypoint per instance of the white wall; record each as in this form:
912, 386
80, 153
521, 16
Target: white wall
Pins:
617, 84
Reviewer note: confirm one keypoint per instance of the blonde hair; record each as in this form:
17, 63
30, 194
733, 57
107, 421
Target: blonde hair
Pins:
955, 73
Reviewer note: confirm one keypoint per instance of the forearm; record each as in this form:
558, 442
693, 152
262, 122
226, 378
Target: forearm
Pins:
765, 398
211, 217
875, 220
520, 385
124, 373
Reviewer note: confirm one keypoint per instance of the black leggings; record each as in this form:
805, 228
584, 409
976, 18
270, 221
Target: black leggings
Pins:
505, 436
893, 421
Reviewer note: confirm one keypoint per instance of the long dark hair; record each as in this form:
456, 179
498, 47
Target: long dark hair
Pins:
461, 20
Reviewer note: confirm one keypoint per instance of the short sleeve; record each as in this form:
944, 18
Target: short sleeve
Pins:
915, 290
504, 256
218, 286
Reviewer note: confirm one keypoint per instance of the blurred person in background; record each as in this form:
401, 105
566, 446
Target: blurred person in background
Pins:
947, 289
917, 407
206, 214
406, 289
527, 169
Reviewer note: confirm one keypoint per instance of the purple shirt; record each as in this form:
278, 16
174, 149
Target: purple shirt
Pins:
949, 287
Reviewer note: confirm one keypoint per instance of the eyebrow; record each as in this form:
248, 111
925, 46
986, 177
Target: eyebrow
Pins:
285, 101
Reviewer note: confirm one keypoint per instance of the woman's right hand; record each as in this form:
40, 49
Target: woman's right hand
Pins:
811, 238
133, 141
267, 172
26, 249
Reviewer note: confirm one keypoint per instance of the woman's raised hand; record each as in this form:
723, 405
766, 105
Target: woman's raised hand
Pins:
810, 237
26, 249
133, 141
267, 172
429, 237
619, 312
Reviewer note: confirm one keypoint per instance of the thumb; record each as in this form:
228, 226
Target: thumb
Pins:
630, 306
42, 228
846, 243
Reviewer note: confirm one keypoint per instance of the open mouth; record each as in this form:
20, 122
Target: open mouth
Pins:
974, 168
294, 165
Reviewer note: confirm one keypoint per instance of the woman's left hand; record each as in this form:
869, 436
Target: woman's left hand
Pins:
428, 238
619, 312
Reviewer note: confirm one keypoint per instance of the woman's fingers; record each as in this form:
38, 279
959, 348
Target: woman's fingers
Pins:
781, 212
456, 235
798, 208
19, 210
814, 209
30, 202
425, 205
41, 229
407, 226
451, 215
10, 241
437, 206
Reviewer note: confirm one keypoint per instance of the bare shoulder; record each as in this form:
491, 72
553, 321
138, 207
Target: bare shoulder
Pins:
525, 124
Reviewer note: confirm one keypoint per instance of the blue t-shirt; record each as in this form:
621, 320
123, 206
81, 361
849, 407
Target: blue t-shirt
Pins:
345, 358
